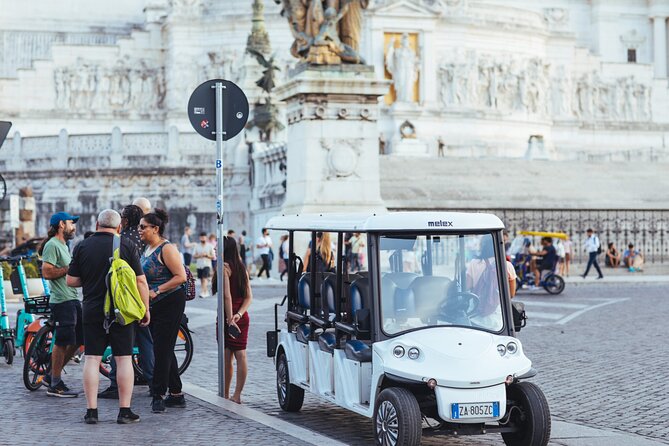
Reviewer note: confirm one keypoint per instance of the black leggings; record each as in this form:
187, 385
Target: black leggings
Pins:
165, 319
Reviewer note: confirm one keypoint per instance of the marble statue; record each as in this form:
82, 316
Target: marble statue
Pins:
402, 64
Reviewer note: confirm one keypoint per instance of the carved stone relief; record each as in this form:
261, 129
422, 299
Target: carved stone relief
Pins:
510, 85
125, 85
342, 156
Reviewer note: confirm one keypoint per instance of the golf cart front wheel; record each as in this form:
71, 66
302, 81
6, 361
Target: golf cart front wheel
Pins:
397, 418
290, 396
528, 412
8, 347
554, 284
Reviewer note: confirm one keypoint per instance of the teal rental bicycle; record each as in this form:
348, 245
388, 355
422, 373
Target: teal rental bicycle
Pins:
26, 323
7, 346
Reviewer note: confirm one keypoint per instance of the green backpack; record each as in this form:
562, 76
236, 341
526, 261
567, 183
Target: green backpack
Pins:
122, 291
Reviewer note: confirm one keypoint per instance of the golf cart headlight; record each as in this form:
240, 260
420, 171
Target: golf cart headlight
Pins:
511, 347
398, 351
501, 350
414, 353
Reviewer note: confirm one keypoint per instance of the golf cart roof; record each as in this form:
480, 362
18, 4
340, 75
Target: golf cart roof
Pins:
392, 221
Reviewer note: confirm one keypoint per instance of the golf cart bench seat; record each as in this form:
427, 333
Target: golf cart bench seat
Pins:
303, 333
357, 350
327, 342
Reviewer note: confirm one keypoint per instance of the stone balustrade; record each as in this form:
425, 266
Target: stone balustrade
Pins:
113, 150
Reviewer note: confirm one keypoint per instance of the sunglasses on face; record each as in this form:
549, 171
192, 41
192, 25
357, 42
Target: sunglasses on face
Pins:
143, 227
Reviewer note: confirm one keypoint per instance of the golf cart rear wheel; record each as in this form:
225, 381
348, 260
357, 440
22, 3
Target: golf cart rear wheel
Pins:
397, 418
554, 284
8, 347
290, 396
528, 412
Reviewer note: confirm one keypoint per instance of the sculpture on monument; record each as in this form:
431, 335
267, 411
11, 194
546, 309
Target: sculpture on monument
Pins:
402, 64
265, 113
326, 32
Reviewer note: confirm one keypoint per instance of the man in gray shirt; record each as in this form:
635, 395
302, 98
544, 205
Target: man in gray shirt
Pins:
187, 246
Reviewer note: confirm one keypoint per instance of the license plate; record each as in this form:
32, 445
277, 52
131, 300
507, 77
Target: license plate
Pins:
474, 410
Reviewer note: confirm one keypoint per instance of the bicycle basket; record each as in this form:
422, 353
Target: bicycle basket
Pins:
37, 305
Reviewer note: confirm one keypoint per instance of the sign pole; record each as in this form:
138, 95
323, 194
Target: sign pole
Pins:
205, 106
220, 234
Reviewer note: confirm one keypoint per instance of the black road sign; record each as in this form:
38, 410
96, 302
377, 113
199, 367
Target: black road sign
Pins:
4, 129
202, 109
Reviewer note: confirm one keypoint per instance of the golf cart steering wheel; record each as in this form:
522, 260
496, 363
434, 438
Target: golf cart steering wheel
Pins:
464, 301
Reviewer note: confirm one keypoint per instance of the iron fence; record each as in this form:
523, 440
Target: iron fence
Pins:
648, 230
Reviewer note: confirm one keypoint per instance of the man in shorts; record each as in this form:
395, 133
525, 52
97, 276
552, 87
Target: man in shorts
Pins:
64, 302
88, 269
203, 253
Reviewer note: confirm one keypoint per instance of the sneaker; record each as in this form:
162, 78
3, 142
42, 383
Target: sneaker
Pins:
127, 417
110, 393
61, 391
600, 277
157, 405
631, 269
175, 401
91, 416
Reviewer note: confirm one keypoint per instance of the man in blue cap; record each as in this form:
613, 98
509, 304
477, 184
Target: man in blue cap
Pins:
65, 305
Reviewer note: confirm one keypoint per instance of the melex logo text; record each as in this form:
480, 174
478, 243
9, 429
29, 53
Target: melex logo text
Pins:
439, 224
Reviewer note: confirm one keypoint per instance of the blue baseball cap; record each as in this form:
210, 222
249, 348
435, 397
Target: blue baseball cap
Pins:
62, 216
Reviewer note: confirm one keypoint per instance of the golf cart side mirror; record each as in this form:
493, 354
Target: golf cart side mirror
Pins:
519, 317
362, 320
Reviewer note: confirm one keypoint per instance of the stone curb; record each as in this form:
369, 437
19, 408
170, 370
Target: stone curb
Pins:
301, 433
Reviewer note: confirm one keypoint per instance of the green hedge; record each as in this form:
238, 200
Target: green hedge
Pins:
30, 266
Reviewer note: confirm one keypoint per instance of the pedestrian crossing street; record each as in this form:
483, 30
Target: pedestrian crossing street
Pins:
552, 310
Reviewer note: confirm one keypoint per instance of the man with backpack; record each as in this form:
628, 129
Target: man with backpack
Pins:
90, 269
594, 247
130, 217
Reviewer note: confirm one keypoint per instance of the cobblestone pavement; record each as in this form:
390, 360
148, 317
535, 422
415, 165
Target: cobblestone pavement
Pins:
31, 418
596, 347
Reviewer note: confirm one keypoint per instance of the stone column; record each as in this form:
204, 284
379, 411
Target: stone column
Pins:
660, 46
333, 149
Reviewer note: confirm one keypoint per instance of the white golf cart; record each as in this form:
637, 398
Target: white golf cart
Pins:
410, 324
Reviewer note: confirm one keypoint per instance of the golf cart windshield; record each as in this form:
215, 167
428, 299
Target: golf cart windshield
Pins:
439, 280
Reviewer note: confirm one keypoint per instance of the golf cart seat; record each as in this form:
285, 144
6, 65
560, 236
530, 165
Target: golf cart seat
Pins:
358, 351
303, 333
429, 292
401, 279
303, 300
327, 342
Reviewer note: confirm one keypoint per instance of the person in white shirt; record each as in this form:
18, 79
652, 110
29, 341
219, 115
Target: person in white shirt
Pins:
263, 246
592, 246
203, 253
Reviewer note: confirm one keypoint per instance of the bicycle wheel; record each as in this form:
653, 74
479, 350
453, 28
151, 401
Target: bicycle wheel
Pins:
38, 359
183, 349
105, 367
9, 350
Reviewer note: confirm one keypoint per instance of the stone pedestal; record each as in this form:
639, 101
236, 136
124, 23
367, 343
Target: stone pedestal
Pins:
333, 145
